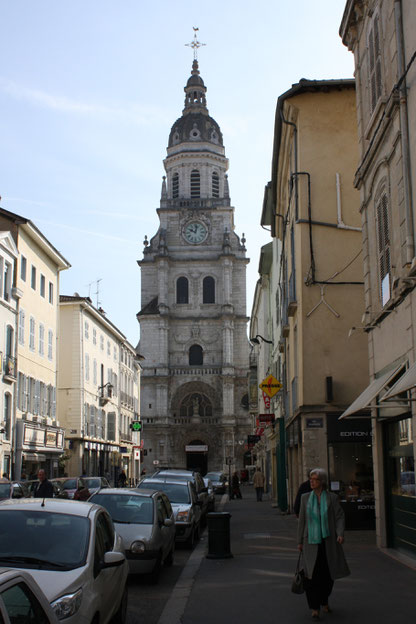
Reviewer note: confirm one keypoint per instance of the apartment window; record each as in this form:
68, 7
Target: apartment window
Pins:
215, 184
41, 339
195, 183
86, 330
115, 353
21, 335
94, 336
108, 348
42, 285
92, 421
7, 415
23, 268
50, 344
102, 342
87, 367
196, 357
94, 372
182, 290
374, 63
32, 333
383, 236
208, 290
175, 186
7, 281
33, 278
50, 292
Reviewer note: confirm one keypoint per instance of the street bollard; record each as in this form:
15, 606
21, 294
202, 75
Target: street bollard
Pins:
219, 535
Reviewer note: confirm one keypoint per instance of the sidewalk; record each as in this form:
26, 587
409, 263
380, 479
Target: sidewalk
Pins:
254, 586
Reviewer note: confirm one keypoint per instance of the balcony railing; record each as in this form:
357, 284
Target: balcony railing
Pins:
196, 370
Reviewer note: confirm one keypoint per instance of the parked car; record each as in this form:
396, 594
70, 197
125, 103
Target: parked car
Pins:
197, 480
219, 481
22, 600
74, 487
96, 483
72, 550
145, 521
13, 489
211, 494
185, 504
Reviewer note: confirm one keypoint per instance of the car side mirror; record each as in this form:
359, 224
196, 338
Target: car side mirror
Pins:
112, 559
168, 522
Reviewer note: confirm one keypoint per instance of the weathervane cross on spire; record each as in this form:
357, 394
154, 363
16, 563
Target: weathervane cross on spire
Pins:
195, 44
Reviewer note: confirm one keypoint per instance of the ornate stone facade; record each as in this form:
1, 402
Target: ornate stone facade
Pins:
193, 319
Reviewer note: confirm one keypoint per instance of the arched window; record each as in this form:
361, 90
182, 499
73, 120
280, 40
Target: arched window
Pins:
208, 290
195, 183
182, 290
196, 357
215, 184
195, 404
175, 186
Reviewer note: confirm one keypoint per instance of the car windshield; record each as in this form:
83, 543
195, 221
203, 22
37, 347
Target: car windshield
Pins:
4, 490
126, 509
176, 492
213, 476
42, 540
70, 484
93, 483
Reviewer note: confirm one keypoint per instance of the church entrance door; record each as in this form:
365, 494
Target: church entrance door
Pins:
197, 457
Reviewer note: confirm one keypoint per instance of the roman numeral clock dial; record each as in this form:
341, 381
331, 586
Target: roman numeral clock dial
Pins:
195, 232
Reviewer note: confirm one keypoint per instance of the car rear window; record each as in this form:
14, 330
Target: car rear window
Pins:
93, 483
42, 539
4, 490
70, 484
126, 509
176, 492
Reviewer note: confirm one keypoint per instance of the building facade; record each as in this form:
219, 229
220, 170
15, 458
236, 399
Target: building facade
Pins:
37, 439
97, 392
381, 35
193, 322
8, 365
313, 210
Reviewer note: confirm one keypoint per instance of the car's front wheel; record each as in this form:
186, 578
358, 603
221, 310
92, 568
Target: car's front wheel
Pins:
121, 615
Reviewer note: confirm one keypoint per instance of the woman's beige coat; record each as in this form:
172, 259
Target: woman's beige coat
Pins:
337, 564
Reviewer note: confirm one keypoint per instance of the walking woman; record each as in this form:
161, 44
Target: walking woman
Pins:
320, 538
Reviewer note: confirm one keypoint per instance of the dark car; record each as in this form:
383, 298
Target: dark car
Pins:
73, 487
195, 478
219, 481
96, 483
13, 489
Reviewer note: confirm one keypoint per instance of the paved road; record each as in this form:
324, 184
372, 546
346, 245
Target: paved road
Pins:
147, 601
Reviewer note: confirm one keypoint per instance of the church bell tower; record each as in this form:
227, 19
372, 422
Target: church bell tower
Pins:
193, 323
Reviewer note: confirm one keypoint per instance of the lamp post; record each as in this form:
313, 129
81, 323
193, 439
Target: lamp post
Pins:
256, 340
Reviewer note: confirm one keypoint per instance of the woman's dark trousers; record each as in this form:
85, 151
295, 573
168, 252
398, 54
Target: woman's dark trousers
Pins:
319, 587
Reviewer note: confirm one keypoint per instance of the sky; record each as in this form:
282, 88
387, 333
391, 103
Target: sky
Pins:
89, 90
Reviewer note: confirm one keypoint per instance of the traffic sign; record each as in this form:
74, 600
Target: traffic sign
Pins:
271, 386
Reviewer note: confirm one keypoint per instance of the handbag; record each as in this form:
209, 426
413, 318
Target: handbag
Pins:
297, 583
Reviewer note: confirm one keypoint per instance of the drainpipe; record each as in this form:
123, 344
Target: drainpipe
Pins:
341, 223
404, 126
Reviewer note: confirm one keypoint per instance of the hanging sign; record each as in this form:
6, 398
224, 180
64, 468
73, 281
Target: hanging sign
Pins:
266, 400
271, 386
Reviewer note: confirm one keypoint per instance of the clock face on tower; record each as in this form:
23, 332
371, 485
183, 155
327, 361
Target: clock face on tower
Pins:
195, 232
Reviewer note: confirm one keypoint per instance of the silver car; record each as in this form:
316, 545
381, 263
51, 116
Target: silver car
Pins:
185, 504
72, 551
146, 523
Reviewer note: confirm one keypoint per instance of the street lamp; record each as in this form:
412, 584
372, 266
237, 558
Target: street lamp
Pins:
257, 341
103, 399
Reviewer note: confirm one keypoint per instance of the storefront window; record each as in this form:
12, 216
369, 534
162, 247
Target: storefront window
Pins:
351, 471
401, 458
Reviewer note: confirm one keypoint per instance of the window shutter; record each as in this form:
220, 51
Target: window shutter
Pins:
383, 232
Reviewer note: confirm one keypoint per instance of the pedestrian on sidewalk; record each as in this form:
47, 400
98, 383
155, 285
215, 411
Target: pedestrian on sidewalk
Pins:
235, 486
303, 488
320, 538
258, 482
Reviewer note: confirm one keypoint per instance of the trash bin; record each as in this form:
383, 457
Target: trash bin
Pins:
219, 535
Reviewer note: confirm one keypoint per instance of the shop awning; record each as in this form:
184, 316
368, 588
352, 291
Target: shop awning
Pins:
406, 382
34, 457
364, 400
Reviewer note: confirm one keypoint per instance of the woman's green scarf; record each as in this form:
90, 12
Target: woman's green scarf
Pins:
317, 518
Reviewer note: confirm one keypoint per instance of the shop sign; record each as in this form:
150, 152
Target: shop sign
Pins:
51, 438
266, 400
271, 386
266, 419
196, 448
314, 423
252, 440
353, 430
136, 453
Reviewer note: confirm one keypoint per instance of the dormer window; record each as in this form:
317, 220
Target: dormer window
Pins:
195, 183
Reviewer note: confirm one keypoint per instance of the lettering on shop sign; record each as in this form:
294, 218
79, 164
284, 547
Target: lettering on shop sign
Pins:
366, 506
355, 434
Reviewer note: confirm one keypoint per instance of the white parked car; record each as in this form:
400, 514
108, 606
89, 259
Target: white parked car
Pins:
22, 600
145, 521
74, 554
